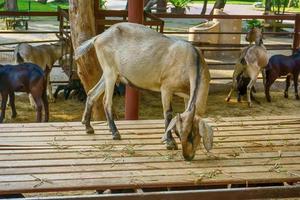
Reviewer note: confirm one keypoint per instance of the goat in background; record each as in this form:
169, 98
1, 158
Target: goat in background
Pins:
26, 77
252, 61
280, 65
41, 55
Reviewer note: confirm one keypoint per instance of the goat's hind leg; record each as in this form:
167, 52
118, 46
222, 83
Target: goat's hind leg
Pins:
92, 96
12, 105
108, 98
287, 85
249, 90
296, 85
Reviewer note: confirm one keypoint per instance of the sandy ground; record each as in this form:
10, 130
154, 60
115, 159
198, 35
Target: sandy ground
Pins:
150, 103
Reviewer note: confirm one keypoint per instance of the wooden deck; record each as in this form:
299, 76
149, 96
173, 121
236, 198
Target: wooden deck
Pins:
62, 157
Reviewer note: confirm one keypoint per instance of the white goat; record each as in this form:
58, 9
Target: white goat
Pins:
253, 59
141, 57
42, 55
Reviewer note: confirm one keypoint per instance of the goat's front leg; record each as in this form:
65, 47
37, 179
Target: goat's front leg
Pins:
92, 96
12, 105
3, 105
287, 85
296, 85
49, 89
166, 98
39, 106
108, 98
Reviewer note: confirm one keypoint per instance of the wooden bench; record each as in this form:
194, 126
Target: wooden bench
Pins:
252, 157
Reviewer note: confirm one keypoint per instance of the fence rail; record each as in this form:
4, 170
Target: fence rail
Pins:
105, 18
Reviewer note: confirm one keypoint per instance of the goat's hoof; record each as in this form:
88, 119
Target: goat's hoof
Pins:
227, 99
297, 97
286, 96
239, 99
249, 104
171, 145
89, 130
14, 115
116, 136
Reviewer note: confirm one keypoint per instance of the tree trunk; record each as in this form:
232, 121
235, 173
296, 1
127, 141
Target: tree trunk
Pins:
204, 7
82, 24
268, 6
11, 5
219, 4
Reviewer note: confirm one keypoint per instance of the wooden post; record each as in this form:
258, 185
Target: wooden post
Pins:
82, 24
296, 31
135, 15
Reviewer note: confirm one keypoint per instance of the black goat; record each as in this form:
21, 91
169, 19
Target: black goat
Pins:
242, 83
74, 84
26, 77
280, 65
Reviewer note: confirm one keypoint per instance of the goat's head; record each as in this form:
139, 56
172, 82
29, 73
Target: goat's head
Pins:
61, 48
255, 35
183, 125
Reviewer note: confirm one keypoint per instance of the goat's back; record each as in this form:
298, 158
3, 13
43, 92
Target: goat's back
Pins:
21, 77
283, 65
257, 54
144, 57
42, 55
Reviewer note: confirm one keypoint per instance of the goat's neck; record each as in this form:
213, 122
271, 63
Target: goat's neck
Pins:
56, 52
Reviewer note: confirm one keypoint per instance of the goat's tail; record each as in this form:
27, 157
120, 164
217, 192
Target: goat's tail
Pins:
84, 47
17, 55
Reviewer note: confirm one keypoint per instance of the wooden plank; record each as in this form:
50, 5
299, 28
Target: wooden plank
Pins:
138, 160
143, 139
143, 182
62, 157
196, 193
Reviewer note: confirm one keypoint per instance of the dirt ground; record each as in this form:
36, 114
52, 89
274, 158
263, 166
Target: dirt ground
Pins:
150, 106
150, 103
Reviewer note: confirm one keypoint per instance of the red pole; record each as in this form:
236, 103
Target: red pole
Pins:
135, 15
297, 31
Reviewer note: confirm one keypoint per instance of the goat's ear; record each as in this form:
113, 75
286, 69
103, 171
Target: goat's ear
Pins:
207, 135
172, 124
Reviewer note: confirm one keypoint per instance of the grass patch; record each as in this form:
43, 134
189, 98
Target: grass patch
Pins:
237, 2
23, 5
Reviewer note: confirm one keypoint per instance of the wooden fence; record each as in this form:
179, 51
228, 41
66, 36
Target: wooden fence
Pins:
106, 18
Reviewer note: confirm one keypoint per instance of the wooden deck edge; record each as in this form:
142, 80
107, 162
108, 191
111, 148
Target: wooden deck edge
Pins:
207, 194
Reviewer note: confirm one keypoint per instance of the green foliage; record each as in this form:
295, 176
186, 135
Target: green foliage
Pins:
23, 5
180, 3
294, 3
254, 23
102, 3
278, 6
